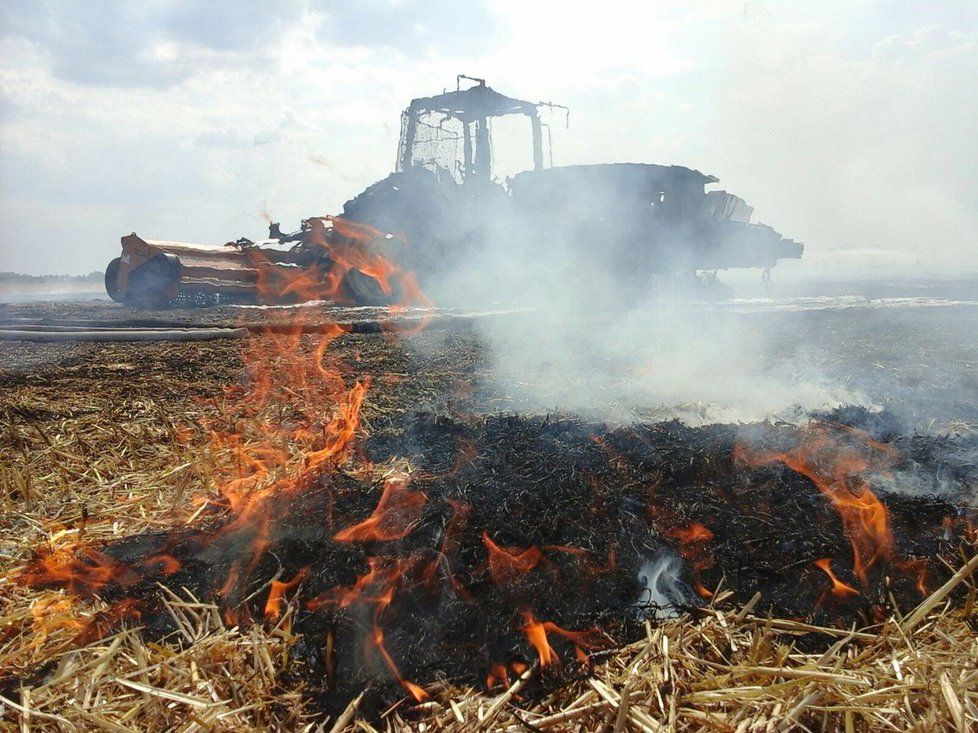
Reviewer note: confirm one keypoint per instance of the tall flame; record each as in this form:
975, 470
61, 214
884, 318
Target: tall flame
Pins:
295, 417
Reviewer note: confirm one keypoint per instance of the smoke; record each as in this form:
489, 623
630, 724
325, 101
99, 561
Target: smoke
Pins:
947, 468
664, 592
599, 335
656, 362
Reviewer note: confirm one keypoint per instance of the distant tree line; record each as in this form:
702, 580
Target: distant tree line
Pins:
16, 278
96, 276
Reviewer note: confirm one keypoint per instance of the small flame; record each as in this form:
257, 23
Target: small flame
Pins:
839, 589
498, 675
508, 564
916, 567
692, 534
694, 541
277, 591
377, 588
84, 570
397, 512
413, 690
104, 622
536, 633
518, 667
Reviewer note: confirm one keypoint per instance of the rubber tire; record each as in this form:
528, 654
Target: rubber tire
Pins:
362, 289
148, 282
112, 280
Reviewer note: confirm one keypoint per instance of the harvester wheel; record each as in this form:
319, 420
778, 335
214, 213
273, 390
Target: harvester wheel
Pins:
112, 280
149, 284
363, 289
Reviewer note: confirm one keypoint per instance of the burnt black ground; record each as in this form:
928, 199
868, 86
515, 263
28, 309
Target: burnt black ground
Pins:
598, 501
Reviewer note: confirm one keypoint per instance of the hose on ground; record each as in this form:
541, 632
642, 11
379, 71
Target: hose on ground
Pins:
122, 334
24, 329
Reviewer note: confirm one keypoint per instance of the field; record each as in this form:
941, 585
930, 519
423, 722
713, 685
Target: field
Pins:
108, 441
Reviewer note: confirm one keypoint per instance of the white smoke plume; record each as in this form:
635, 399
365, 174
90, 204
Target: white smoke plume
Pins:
664, 592
581, 345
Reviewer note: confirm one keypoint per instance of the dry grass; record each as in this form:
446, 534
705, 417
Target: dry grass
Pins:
107, 453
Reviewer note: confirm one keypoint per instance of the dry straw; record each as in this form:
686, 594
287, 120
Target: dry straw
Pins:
719, 671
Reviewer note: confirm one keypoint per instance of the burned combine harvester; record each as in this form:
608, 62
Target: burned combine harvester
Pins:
637, 223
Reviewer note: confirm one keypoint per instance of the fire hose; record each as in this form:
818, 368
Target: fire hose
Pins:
75, 333
84, 330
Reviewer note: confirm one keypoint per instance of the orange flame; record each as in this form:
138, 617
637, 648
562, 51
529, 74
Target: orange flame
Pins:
85, 570
102, 623
508, 564
693, 533
348, 246
277, 591
376, 587
536, 633
397, 512
839, 589
413, 690
918, 568
295, 417
836, 468
78, 570
498, 674
693, 545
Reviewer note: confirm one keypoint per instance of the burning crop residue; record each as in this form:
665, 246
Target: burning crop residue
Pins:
479, 548
837, 461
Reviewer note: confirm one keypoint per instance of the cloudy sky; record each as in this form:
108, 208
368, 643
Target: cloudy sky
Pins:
851, 125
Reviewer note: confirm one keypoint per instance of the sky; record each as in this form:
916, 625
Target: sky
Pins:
851, 126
